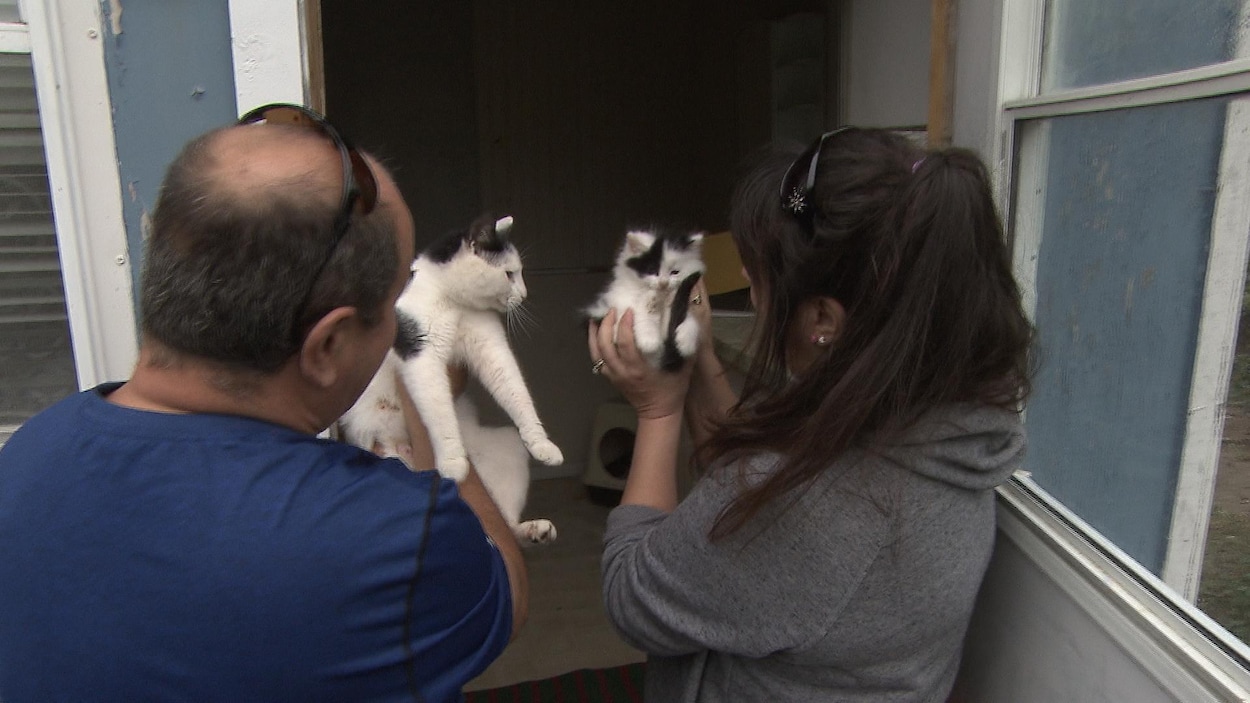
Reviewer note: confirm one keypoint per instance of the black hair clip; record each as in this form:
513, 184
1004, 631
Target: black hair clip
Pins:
797, 199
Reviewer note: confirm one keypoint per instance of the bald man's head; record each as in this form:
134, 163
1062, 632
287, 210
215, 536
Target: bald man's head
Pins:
256, 162
244, 222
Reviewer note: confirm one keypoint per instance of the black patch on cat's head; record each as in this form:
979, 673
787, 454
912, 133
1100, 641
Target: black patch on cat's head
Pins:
445, 248
481, 237
487, 241
648, 262
409, 339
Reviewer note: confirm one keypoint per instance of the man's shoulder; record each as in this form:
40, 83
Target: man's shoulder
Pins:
61, 418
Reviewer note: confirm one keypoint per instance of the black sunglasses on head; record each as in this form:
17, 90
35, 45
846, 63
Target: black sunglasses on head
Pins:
360, 188
796, 198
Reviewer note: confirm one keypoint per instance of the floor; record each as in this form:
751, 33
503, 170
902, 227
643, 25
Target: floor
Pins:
567, 628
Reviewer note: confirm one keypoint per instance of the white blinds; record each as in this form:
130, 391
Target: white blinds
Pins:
36, 364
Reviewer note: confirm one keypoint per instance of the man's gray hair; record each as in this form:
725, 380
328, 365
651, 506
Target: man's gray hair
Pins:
224, 275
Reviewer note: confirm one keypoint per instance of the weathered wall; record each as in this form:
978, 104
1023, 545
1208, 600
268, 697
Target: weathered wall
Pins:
170, 78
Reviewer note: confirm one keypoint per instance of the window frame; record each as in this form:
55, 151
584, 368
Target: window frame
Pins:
1020, 100
1187, 653
1160, 608
65, 40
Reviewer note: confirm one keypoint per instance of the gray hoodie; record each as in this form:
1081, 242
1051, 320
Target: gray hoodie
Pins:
860, 591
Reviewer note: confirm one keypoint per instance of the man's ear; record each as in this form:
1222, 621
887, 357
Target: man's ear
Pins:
326, 346
823, 320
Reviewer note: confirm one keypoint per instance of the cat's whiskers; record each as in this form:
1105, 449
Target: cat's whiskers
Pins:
520, 320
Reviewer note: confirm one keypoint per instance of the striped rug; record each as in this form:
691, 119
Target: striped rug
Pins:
618, 684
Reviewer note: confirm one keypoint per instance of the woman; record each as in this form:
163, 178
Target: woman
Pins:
834, 547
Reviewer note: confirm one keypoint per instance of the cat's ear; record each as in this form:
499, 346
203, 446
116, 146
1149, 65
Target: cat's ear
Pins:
503, 225
637, 242
482, 236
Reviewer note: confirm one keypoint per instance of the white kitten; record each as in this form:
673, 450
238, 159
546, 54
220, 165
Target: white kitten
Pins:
654, 274
451, 313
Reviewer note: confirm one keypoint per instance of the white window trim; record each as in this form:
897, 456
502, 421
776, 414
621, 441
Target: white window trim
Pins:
1190, 655
66, 45
1205, 81
14, 38
1020, 82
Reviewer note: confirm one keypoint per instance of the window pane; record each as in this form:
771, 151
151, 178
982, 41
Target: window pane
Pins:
36, 361
8, 11
1090, 42
1224, 591
1127, 200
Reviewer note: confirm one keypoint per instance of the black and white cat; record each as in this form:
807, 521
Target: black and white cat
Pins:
654, 274
452, 312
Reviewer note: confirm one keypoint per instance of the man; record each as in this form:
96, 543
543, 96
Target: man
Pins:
185, 535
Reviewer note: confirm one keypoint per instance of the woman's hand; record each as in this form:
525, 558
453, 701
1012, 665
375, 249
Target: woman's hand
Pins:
653, 393
657, 396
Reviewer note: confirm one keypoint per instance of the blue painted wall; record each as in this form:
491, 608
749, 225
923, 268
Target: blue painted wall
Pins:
1128, 211
171, 77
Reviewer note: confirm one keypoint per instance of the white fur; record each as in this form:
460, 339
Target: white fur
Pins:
499, 456
459, 305
651, 296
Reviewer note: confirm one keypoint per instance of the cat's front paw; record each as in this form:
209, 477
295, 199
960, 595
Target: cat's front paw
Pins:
545, 451
686, 337
535, 532
455, 468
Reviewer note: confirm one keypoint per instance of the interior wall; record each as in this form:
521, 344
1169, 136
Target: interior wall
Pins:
886, 72
588, 122
399, 80
978, 27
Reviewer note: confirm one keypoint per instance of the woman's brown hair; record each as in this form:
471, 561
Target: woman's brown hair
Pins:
911, 244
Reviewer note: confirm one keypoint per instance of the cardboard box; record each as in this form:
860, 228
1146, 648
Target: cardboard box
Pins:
724, 266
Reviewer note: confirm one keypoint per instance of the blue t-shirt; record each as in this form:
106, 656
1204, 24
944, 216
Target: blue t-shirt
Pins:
148, 556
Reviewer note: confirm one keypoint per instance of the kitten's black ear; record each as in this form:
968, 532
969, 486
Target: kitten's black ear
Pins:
487, 235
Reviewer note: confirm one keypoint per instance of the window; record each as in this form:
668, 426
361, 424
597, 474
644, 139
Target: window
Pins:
1100, 42
36, 359
66, 305
1129, 203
